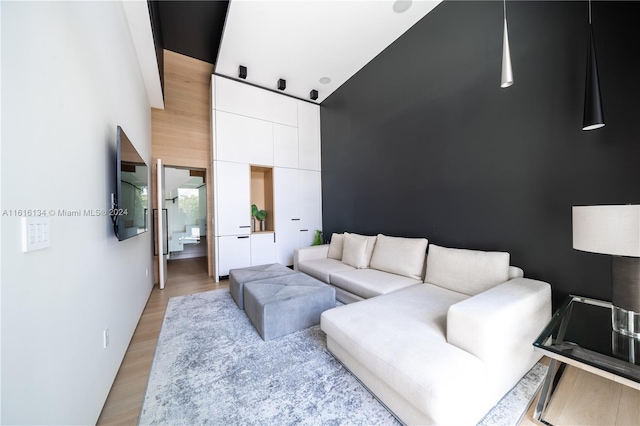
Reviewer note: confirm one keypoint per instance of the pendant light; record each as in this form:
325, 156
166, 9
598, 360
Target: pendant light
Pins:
507, 72
593, 115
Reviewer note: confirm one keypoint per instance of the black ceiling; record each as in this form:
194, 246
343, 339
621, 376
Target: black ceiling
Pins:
193, 28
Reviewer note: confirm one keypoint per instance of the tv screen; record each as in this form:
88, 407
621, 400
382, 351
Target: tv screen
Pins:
131, 201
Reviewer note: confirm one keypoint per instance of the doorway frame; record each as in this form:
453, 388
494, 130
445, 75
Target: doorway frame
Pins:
171, 162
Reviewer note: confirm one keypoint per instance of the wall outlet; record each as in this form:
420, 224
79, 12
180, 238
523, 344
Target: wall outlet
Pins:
147, 272
105, 338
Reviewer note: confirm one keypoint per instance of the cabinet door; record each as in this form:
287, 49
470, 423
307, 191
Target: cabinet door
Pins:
286, 195
233, 252
233, 206
308, 136
282, 109
287, 213
263, 249
243, 139
285, 146
239, 98
287, 240
310, 206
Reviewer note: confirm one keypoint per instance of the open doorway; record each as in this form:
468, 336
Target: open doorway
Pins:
185, 198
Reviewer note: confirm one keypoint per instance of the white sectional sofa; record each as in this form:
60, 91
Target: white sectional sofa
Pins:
439, 349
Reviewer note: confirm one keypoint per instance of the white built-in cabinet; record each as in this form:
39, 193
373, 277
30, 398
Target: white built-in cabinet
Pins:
234, 251
243, 139
266, 151
232, 182
285, 146
298, 201
263, 248
308, 136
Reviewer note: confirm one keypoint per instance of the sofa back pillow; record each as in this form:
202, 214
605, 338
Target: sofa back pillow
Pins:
371, 243
401, 256
336, 246
355, 251
466, 271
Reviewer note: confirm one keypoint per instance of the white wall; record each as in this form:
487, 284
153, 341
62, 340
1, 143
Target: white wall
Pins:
69, 76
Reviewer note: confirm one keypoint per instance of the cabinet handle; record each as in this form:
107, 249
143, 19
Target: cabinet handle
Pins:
246, 236
248, 226
304, 230
295, 219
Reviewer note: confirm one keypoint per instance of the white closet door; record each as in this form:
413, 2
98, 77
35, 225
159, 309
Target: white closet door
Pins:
287, 213
240, 98
263, 249
286, 195
310, 205
308, 136
233, 252
233, 204
243, 139
285, 146
283, 109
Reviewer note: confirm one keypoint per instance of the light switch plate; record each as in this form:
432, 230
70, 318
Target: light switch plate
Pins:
36, 233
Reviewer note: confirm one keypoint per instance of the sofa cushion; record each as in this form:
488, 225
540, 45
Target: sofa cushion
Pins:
371, 244
355, 251
368, 283
400, 339
402, 256
466, 271
322, 268
336, 246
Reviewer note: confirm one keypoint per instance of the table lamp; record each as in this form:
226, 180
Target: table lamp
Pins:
615, 230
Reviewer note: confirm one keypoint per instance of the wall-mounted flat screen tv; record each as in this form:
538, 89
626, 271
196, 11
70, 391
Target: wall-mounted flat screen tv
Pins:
131, 201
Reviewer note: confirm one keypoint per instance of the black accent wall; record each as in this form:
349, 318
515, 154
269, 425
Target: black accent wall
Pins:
424, 142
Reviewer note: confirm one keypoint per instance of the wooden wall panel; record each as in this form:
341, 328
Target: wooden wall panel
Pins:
181, 133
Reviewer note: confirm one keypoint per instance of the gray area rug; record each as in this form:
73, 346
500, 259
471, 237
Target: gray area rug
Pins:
212, 367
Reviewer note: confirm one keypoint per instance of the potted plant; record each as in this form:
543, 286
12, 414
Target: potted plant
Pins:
261, 216
254, 214
318, 240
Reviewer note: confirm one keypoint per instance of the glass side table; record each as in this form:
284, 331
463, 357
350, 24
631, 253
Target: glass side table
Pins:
580, 334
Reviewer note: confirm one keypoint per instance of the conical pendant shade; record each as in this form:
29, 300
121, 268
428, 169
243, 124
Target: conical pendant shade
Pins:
593, 115
507, 72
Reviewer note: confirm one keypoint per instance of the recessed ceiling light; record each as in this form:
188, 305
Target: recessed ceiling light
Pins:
401, 6
325, 80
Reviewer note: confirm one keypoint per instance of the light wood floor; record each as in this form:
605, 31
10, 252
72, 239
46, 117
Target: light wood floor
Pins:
185, 276
581, 398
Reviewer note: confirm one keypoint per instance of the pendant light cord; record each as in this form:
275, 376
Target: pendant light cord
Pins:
589, 12
505, 8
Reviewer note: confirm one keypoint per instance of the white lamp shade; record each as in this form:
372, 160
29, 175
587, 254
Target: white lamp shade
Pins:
611, 230
507, 71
